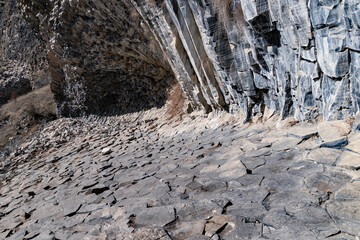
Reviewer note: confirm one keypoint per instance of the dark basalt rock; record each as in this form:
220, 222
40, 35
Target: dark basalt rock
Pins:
111, 57
103, 58
114, 57
23, 65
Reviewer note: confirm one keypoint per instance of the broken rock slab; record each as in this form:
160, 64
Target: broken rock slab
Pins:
346, 215
354, 143
349, 160
155, 217
333, 130
324, 155
303, 132
337, 144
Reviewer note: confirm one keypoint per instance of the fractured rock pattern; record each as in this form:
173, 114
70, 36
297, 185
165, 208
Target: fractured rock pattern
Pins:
103, 59
299, 58
125, 178
23, 65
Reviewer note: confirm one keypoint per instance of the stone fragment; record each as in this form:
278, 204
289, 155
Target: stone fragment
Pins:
285, 144
253, 162
43, 213
333, 130
345, 215
197, 210
71, 205
328, 181
185, 230
155, 217
89, 183
243, 230
302, 132
301, 168
276, 218
250, 212
106, 151
283, 182
350, 192
336, 144
219, 225
231, 169
214, 186
354, 145
324, 155
349, 160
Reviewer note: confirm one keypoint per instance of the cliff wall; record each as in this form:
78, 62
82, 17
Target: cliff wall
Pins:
295, 57
23, 65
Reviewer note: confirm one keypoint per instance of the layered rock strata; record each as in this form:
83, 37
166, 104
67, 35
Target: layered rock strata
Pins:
296, 57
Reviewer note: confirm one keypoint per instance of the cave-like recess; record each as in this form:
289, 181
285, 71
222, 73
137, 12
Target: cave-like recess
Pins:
101, 63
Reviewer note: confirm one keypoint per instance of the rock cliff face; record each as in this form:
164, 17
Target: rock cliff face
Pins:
296, 57
23, 65
102, 56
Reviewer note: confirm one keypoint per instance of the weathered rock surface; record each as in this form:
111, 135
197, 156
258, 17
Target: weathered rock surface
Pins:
141, 176
183, 180
299, 58
23, 64
102, 56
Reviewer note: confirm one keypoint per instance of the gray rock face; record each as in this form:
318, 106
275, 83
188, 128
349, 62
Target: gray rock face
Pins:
23, 64
103, 57
299, 58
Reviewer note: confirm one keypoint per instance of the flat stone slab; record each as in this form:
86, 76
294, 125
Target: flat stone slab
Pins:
155, 217
354, 145
324, 155
346, 215
71, 205
349, 160
303, 132
327, 181
243, 182
350, 192
185, 230
283, 182
285, 144
332, 130
231, 169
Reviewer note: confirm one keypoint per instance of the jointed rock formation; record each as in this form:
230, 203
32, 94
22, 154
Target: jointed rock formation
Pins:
23, 64
154, 99
296, 57
134, 177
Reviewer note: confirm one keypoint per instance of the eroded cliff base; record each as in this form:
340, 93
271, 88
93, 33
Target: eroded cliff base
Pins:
298, 58
147, 176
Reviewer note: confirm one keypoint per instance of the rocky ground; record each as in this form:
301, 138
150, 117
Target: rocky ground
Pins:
140, 177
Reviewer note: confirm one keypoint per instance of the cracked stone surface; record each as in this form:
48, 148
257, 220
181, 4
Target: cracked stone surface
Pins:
195, 179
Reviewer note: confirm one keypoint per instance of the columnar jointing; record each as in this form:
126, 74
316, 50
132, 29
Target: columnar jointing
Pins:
256, 57
102, 56
23, 65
